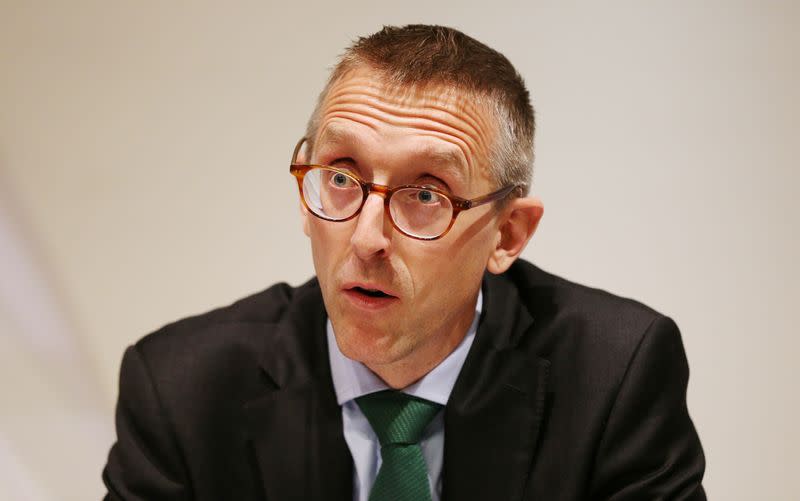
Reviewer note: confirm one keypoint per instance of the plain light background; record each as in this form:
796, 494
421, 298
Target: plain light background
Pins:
144, 152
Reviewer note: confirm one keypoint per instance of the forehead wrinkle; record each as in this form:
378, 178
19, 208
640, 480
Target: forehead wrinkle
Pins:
334, 134
383, 100
471, 148
431, 113
346, 94
468, 125
479, 124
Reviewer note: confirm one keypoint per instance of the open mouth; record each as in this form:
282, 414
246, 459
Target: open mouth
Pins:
366, 295
370, 292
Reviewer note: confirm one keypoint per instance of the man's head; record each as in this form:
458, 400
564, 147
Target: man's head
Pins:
424, 55
425, 106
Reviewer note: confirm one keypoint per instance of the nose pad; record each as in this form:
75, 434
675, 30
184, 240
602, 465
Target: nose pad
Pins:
373, 227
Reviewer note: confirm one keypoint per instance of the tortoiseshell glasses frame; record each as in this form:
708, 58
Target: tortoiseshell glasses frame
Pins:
458, 204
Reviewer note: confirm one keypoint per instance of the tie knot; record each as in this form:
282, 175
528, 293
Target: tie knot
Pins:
397, 418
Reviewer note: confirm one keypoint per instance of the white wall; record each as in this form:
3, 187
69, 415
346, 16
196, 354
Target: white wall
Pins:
143, 170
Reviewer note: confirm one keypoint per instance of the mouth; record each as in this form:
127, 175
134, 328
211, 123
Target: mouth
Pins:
369, 296
370, 292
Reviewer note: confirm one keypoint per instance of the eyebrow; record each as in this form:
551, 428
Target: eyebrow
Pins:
448, 160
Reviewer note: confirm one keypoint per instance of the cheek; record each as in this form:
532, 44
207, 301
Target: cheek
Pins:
328, 238
437, 270
446, 267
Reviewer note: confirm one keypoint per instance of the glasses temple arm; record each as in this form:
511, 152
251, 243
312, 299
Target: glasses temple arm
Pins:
491, 197
297, 149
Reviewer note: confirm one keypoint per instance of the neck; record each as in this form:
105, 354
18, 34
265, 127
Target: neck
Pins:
408, 370
403, 373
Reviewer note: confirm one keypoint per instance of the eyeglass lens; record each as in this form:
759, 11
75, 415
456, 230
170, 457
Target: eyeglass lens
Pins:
337, 196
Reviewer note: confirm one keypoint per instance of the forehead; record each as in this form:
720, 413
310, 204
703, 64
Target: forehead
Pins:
366, 112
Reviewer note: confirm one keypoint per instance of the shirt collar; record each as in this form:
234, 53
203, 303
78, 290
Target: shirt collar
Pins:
352, 379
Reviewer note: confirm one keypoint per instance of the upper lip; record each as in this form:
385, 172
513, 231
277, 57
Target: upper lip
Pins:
369, 286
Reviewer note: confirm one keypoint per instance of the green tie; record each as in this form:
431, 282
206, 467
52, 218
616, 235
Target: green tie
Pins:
399, 420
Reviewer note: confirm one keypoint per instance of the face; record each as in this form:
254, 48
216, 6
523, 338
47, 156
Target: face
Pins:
397, 304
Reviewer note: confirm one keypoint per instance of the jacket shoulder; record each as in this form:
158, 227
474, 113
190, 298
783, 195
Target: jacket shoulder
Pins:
260, 309
545, 294
579, 316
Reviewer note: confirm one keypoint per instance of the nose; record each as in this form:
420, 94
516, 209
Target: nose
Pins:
371, 236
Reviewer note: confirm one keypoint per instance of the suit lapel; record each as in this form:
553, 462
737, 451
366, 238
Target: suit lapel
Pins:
493, 417
295, 425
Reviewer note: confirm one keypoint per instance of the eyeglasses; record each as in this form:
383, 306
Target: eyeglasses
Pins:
421, 212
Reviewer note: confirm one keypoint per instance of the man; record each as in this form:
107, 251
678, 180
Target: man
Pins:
425, 361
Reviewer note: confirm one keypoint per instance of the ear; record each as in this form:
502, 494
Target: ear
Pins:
517, 225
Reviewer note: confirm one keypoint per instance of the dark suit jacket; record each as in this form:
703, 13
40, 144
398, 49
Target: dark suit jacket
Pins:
568, 393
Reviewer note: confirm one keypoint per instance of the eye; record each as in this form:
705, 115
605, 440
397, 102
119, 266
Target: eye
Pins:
427, 197
340, 180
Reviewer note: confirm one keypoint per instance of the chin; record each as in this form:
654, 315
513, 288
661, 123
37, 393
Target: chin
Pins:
368, 347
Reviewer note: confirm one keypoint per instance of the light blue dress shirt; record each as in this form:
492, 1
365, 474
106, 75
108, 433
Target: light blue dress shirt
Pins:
353, 379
